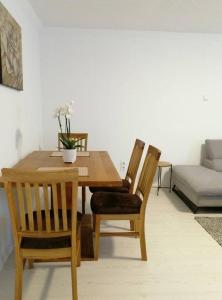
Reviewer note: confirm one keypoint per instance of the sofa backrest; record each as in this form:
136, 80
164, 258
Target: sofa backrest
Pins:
213, 149
212, 158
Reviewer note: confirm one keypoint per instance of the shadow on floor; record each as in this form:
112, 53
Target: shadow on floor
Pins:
175, 201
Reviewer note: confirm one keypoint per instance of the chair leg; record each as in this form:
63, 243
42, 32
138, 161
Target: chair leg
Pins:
83, 200
30, 263
74, 277
18, 277
97, 235
143, 243
24, 262
79, 254
137, 226
132, 225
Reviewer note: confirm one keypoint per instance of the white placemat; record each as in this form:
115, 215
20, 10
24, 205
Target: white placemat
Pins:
83, 171
82, 153
59, 153
56, 154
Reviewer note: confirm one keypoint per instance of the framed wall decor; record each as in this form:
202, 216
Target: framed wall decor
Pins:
11, 73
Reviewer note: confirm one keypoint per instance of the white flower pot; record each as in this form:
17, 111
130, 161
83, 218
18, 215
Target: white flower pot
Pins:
69, 155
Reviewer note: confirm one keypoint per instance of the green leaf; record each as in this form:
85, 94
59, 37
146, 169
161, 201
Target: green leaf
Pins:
70, 143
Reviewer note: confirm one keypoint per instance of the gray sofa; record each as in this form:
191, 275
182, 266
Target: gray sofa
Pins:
201, 186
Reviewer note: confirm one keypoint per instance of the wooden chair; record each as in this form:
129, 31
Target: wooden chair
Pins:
82, 141
129, 181
39, 233
123, 206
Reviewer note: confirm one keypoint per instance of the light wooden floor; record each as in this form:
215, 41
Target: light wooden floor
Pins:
185, 263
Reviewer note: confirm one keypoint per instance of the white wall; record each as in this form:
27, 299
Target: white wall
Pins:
21, 112
129, 84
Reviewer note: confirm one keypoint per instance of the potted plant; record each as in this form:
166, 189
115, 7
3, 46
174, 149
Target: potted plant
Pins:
70, 145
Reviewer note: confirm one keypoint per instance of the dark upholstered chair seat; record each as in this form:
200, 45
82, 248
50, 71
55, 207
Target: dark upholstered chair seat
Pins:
50, 243
115, 203
46, 243
116, 189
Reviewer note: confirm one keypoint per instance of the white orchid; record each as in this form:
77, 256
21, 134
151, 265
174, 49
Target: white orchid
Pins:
63, 111
66, 111
57, 112
68, 116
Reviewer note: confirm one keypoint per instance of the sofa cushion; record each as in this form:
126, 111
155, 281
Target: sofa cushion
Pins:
213, 149
203, 181
217, 164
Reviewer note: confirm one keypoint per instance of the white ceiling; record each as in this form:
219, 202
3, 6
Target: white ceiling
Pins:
161, 15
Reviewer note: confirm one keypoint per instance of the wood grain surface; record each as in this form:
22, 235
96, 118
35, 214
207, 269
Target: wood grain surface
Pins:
102, 171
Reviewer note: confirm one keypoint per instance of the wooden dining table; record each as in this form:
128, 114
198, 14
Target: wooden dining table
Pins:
98, 170
101, 170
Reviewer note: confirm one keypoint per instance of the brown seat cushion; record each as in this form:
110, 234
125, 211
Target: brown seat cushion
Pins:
115, 203
49, 243
116, 189
46, 243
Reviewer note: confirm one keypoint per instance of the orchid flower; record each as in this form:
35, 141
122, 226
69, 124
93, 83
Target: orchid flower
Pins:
66, 111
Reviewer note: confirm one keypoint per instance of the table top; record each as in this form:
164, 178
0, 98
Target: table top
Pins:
101, 170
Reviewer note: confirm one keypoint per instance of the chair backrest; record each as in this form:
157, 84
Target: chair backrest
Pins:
147, 175
82, 139
31, 218
134, 163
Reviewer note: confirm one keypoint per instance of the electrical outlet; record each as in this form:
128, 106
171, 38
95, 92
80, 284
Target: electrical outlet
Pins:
122, 166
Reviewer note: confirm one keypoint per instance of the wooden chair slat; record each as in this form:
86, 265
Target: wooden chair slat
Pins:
12, 209
55, 206
134, 163
46, 203
21, 205
28, 194
38, 207
64, 206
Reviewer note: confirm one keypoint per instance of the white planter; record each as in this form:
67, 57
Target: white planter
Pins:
69, 155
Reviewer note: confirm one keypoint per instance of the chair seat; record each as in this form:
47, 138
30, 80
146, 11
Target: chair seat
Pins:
116, 189
46, 243
50, 243
115, 203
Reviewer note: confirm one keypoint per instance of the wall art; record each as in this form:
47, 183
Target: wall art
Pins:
11, 73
